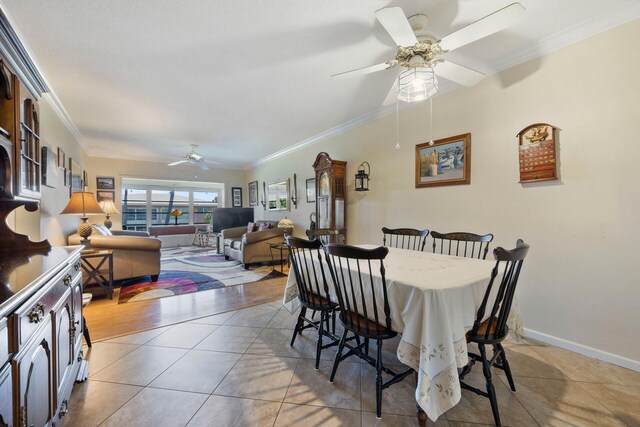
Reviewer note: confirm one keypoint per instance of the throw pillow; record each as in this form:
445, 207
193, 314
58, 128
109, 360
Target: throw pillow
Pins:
97, 230
251, 227
104, 229
264, 226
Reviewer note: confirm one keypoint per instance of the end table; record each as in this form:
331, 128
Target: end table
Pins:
279, 247
93, 264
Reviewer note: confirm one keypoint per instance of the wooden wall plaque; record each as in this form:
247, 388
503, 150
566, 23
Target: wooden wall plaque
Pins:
537, 152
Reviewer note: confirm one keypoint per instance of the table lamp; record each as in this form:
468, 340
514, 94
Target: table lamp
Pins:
109, 208
286, 224
83, 203
175, 214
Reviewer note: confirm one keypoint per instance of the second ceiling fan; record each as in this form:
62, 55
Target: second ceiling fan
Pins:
420, 53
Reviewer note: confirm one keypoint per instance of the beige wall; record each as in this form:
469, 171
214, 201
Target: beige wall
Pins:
119, 168
580, 282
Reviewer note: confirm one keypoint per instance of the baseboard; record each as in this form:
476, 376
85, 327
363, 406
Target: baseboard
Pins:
584, 350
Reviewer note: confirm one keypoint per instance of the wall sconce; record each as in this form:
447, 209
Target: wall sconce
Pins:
263, 202
294, 192
362, 177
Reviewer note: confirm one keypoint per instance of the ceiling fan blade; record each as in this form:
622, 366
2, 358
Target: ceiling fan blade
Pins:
202, 166
365, 70
395, 22
392, 96
457, 73
178, 162
483, 27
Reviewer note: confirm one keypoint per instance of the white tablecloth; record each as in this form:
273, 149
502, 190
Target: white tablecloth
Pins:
433, 299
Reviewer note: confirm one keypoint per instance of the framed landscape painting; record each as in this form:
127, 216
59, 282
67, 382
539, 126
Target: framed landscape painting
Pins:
105, 195
105, 183
446, 162
253, 194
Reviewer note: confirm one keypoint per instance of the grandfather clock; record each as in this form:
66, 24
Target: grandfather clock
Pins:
331, 194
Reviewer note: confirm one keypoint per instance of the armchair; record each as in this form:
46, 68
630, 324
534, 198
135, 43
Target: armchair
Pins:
251, 248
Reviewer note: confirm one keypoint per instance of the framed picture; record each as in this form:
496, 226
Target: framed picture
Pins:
75, 177
49, 169
236, 194
253, 193
105, 183
61, 158
446, 162
311, 190
105, 195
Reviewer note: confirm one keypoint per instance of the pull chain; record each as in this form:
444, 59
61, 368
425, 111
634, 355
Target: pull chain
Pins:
397, 125
431, 121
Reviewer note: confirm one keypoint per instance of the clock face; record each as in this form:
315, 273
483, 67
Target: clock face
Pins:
323, 187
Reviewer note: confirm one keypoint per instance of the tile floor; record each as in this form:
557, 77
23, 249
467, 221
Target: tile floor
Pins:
237, 369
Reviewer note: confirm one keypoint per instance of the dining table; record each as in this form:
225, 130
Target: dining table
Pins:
433, 300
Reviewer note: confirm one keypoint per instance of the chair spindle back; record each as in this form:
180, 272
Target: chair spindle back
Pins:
462, 244
309, 274
352, 272
497, 319
328, 235
405, 238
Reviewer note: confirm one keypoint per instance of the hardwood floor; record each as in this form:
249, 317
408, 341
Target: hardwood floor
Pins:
108, 319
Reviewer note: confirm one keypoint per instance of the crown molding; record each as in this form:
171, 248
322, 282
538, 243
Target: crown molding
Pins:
17, 52
116, 156
573, 34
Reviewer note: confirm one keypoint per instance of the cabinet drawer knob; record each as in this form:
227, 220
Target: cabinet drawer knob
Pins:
37, 313
67, 280
64, 408
76, 266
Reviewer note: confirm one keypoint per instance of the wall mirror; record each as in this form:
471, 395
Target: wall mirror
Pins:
278, 196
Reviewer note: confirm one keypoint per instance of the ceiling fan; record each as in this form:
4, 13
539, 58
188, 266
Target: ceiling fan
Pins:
193, 158
419, 50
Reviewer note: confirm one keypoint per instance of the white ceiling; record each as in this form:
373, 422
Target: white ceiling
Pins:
143, 79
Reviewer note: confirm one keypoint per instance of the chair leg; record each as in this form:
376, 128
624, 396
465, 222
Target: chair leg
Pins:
338, 356
323, 315
299, 324
366, 346
378, 380
333, 319
303, 312
85, 332
486, 370
505, 366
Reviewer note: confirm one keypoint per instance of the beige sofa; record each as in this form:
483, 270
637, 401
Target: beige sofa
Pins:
135, 254
251, 248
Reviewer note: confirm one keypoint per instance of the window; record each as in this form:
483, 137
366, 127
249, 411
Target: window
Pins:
150, 202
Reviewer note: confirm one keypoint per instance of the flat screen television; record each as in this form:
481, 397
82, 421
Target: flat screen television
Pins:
230, 217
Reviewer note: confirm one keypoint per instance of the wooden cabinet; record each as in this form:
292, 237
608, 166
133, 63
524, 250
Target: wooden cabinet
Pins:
331, 192
28, 158
41, 319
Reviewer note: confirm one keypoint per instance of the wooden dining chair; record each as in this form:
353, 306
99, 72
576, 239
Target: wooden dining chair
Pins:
364, 307
490, 328
313, 292
405, 238
462, 244
328, 235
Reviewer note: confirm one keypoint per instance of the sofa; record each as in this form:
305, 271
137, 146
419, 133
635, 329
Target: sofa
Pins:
173, 235
251, 247
135, 254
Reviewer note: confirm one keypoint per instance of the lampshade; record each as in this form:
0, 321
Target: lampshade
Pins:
109, 208
176, 213
286, 224
83, 203
417, 84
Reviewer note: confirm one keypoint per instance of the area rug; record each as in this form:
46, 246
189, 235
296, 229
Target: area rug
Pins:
186, 270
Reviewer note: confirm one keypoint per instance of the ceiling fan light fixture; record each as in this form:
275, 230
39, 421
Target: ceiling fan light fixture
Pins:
417, 84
